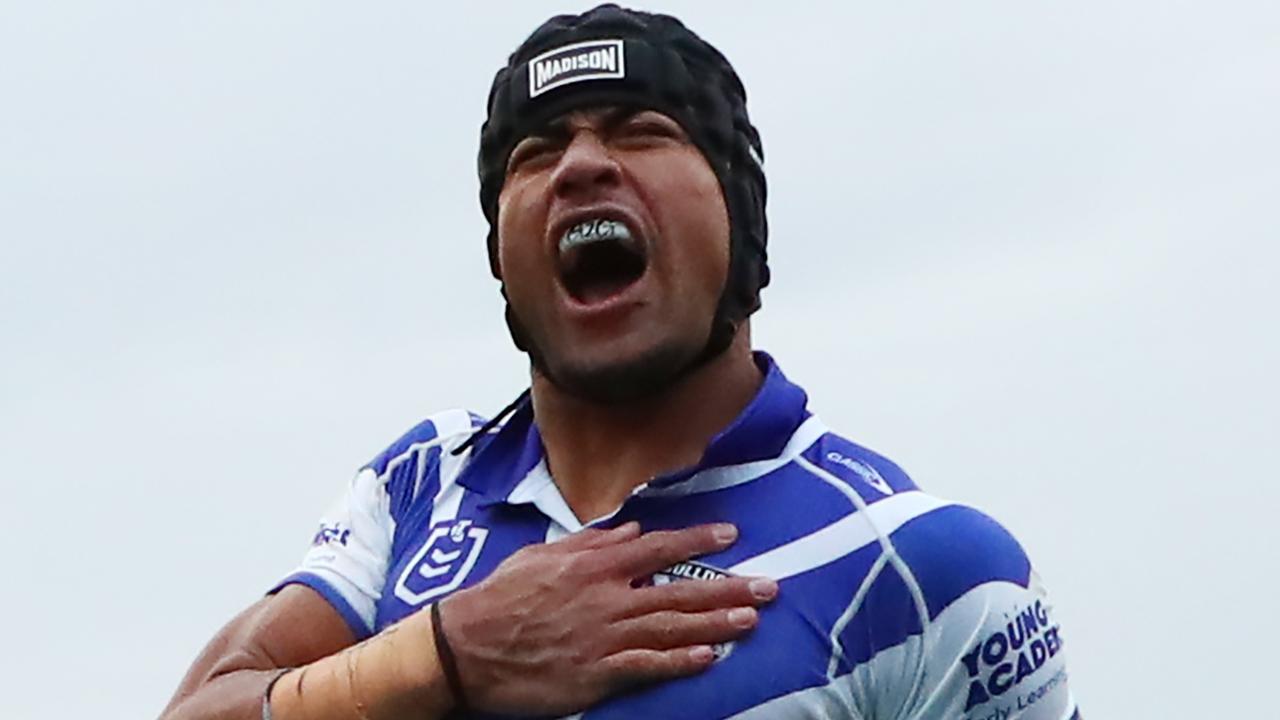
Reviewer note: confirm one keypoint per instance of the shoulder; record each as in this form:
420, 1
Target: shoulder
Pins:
949, 546
956, 548
990, 633
870, 474
958, 623
446, 429
410, 467
969, 614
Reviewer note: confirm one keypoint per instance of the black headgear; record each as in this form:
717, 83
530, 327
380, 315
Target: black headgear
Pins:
614, 56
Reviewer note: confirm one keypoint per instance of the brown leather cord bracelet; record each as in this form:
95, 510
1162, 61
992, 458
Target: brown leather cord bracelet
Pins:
448, 662
266, 694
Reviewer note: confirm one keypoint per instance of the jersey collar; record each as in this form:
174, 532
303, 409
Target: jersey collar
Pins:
760, 432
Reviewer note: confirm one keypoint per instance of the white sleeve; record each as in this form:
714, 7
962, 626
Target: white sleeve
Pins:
347, 562
995, 653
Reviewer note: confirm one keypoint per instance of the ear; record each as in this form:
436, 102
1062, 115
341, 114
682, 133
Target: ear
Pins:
495, 265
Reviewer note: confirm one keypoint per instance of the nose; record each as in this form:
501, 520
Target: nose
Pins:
586, 167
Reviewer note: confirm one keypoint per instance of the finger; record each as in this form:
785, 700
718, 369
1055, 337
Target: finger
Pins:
659, 550
634, 667
669, 629
700, 595
593, 538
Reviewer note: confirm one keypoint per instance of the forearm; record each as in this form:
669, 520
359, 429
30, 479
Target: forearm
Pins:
392, 675
560, 646
235, 695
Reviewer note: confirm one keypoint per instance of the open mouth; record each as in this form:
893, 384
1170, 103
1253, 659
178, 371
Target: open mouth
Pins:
600, 258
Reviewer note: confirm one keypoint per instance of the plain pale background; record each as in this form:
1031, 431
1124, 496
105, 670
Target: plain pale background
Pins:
1025, 249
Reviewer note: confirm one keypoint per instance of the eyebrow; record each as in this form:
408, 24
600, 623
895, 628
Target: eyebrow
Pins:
558, 128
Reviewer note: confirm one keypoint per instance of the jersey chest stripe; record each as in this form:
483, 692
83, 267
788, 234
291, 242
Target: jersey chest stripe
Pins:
840, 538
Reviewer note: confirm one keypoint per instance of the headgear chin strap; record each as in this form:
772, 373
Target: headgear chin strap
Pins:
613, 56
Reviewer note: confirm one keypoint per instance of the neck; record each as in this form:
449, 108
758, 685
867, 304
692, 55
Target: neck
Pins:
599, 453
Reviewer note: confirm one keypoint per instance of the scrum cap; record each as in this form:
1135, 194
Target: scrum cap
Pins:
615, 56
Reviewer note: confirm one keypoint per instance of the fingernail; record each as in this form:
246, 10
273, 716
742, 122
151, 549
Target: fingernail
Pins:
702, 654
725, 532
742, 617
763, 588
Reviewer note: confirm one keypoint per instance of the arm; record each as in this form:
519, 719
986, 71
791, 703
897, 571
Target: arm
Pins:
555, 629
991, 645
289, 629
297, 624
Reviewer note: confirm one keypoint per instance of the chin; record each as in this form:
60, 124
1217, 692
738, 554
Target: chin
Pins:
624, 380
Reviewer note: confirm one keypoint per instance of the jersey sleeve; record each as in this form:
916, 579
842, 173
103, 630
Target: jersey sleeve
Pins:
990, 645
347, 561
351, 551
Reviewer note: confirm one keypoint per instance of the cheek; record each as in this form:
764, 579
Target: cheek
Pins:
517, 224
702, 242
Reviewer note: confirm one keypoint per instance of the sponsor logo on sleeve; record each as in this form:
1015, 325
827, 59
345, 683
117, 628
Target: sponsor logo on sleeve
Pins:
591, 60
442, 563
335, 533
1005, 658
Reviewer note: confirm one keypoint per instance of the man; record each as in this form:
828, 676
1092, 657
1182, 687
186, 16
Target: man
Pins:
660, 528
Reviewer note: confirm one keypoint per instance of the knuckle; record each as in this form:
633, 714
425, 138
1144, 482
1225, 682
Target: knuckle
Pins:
702, 593
736, 589
657, 541
564, 568
627, 666
577, 565
678, 662
527, 553
680, 597
670, 548
672, 626
581, 656
657, 663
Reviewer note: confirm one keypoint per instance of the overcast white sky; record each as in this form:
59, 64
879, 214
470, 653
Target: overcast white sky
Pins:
1025, 249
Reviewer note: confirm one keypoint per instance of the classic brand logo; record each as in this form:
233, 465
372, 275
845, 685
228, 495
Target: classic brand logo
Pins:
591, 60
693, 570
442, 563
869, 475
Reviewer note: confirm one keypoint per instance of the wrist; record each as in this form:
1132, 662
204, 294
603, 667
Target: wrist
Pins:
391, 675
413, 660
448, 661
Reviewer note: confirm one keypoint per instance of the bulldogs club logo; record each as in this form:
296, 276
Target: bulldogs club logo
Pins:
693, 570
442, 563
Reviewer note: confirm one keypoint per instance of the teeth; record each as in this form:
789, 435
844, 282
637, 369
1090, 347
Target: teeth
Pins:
596, 230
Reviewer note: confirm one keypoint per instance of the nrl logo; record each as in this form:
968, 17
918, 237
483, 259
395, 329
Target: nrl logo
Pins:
693, 570
442, 563
591, 60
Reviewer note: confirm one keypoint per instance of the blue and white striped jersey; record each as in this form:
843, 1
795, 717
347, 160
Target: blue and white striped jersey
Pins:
893, 604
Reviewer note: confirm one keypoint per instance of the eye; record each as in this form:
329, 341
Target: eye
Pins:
651, 125
530, 152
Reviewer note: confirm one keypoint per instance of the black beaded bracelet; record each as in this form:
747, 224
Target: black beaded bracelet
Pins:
448, 663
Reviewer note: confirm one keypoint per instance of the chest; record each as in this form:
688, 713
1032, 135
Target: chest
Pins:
791, 649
